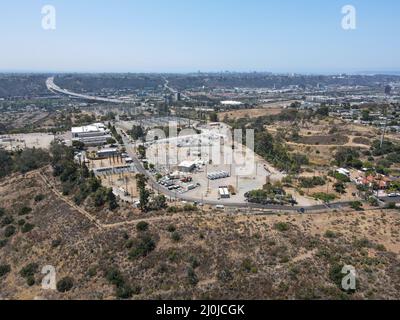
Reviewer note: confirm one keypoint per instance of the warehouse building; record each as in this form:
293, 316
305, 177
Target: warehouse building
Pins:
105, 153
93, 135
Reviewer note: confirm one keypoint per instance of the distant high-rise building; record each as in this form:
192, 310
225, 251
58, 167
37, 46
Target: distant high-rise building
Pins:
388, 89
177, 96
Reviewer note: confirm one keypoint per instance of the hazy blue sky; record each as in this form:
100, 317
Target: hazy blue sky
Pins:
206, 35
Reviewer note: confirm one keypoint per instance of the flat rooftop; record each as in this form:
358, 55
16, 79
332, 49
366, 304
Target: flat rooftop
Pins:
96, 127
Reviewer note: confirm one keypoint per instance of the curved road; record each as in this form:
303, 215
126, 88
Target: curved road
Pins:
173, 91
54, 88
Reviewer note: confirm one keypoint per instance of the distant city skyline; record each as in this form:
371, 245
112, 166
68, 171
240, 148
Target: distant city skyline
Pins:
180, 36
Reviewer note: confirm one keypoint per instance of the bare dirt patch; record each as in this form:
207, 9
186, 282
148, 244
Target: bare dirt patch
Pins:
325, 140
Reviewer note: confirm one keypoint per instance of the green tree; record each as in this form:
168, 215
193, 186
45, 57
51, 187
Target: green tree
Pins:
160, 202
141, 181
27, 227
136, 132
65, 284
9, 231
348, 157
356, 205
176, 236
340, 187
192, 277
79, 145
281, 226
142, 152
144, 196
142, 226
323, 111
112, 200
214, 117
6, 163
4, 269
365, 115
31, 159
144, 246
29, 270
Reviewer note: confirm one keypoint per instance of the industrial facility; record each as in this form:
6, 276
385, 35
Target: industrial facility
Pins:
93, 135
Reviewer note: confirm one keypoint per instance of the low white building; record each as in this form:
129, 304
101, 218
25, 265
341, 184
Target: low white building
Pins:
92, 135
231, 103
187, 166
224, 193
105, 153
343, 171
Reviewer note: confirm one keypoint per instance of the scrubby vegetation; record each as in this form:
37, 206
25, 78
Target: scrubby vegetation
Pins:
28, 272
4, 270
270, 194
65, 284
325, 197
311, 182
22, 161
297, 257
348, 157
78, 181
142, 246
277, 153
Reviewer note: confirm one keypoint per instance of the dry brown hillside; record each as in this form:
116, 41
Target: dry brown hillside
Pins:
192, 255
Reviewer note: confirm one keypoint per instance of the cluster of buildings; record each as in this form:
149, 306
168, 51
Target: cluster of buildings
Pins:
375, 118
379, 182
170, 98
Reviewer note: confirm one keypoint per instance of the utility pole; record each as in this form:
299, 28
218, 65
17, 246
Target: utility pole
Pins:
208, 180
384, 132
10, 140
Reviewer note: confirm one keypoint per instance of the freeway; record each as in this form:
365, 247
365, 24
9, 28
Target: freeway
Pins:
174, 195
54, 88
172, 90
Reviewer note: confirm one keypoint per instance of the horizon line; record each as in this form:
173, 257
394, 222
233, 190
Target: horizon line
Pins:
325, 73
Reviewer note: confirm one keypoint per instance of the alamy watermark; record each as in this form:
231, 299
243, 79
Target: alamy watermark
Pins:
349, 280
49, 280
349, 20
49, 21
231, 147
